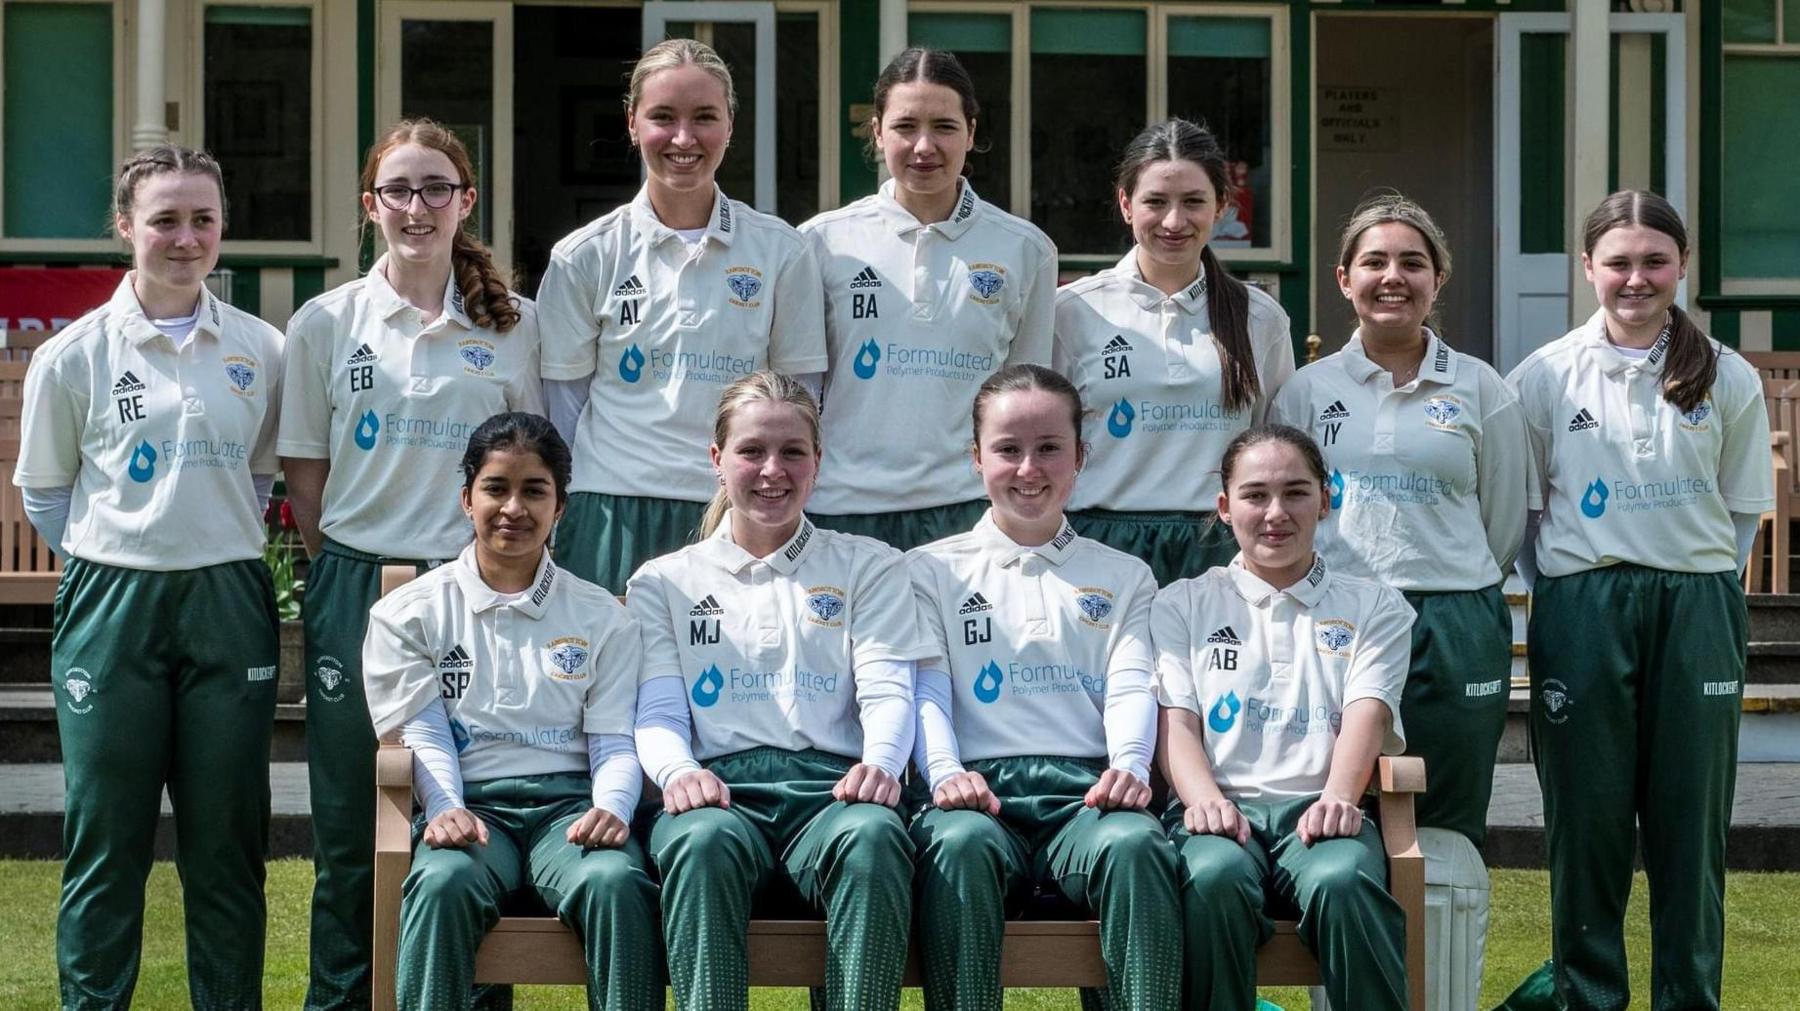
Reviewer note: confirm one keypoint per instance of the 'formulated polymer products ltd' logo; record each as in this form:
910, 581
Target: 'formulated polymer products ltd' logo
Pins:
744, 686
1603, 496
1017, 678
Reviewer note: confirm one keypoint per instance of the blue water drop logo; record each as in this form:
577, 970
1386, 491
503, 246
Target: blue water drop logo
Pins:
143, 463
866, 359
1118, 423
1593, 504
707, 688
1223, 716
631, 364
366, 430
987, 683
459, 736
1337, 489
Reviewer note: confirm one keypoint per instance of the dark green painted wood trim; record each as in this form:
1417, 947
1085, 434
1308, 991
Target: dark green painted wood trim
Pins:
121, 258
1784, 329
1296, 289
1612, 116
1659, 112
365, 110
1748, 303
246, 291
308, 284
1723, 327
859, 61
1414, 6
1712, 70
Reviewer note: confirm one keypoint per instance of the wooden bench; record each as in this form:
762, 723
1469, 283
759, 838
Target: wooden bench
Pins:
29, 569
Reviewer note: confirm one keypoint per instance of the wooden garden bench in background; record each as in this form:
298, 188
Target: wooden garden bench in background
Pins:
29, 568
1037, 953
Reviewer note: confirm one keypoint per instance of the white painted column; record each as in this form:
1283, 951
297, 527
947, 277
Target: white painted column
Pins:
1590, 55
149, 125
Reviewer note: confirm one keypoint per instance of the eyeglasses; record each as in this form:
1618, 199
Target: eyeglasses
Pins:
437, 196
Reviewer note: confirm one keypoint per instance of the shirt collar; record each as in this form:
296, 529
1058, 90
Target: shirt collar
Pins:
482, 597
721, 227
137, 327
962, 216
1613, 361
1192, 298
1438, 365
1308, 591
994, 541
387, 302
724, 552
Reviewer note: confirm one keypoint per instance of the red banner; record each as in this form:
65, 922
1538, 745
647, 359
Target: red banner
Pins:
40, 298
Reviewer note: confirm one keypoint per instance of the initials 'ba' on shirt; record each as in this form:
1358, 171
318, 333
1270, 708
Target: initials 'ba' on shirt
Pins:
1270, 671
770, 649
917, 317
159, 442
1422, 476
662, 327
1149, 367
1034, 637
391, 401
1622, 475
524, 680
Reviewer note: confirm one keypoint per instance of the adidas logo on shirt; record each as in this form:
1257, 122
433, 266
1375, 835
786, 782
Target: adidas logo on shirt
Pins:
975, 604
1226, 635
363, 355
1117, 346
1335, 412
128, 383
1583, 421
865, 279
631, 287
706, 607
456, 659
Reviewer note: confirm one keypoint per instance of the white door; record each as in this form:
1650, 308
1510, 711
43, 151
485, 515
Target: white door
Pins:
1531, 289
716, 22
454, 63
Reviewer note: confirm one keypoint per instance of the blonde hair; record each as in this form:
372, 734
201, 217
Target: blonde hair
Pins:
762, 386
1393, 208
671, 53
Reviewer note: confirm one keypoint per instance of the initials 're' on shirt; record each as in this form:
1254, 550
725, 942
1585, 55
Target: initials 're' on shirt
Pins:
917, 317
1621, 475
524, 680
159, 443
1270, 671
391, 401
1421, 476
1032, 636
662, 327
770, 648
1149, 367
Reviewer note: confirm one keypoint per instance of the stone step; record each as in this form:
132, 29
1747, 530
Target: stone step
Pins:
28, 727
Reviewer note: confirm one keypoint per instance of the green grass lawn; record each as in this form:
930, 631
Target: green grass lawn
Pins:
1763, 928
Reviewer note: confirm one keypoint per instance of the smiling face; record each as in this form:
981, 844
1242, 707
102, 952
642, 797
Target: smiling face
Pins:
769, 464
419, 233
512, 503
1390, 280
176, 221
1171, 211
924, 138
1274, 503
1028, 455
1635, 271
681, 125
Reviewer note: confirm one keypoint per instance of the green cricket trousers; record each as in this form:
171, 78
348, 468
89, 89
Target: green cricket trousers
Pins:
1338, 886
1454, 704
604, 538
975, 868
1636, 693
454, 896
164, 679
340, 771
784, 842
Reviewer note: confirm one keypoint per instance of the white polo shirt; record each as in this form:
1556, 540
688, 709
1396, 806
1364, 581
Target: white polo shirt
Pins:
1621, 475
917, 317
391, 401
771, 649
1270, 671
662, 327
1033, 636
524, 677
1147, 366
1421, 476
159, 443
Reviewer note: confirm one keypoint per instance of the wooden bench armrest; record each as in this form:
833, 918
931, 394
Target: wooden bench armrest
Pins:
393, 841
1399, 777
